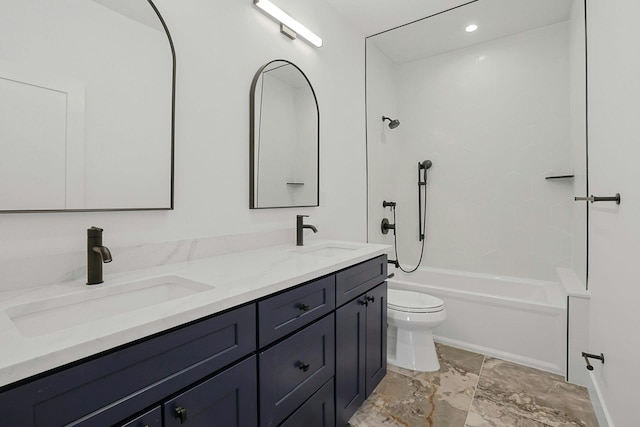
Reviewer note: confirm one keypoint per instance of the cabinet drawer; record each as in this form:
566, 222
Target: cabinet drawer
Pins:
153, 418
289, 311
229, 399
358, 279
291, 371
318, 411
135, 377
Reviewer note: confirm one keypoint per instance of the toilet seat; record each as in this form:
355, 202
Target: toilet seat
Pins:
413, 302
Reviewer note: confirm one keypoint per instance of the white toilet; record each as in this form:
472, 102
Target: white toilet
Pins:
412, 317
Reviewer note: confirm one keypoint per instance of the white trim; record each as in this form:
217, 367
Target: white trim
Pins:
526, 361
598, 402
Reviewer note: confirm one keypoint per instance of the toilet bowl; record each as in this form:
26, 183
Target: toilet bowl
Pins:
411, 317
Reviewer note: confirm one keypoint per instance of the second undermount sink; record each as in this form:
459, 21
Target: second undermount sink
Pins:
329, 249
104, 301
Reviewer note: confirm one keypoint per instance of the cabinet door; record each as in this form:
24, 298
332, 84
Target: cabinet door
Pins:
318, 411
229, 399
376, 353
351, 325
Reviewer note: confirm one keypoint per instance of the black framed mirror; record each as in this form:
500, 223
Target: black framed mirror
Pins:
87, 91
284, 138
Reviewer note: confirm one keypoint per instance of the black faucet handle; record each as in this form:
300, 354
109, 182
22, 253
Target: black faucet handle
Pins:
94, 231
302, 216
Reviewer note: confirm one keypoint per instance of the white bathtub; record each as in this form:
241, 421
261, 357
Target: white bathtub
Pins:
520, 320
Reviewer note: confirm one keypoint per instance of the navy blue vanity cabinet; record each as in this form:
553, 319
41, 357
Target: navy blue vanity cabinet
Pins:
361, 350
228, 399
152, 418
109, 389
292, 370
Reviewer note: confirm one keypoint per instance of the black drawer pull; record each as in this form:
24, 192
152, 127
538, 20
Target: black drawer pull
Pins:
371, 299
304, 367
303, 307
182, 414
363, 302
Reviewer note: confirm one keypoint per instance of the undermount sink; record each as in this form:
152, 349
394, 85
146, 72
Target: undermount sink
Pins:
104, 301
329, 249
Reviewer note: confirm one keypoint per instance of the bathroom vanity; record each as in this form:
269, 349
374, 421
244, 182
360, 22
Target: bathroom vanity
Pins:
305, 345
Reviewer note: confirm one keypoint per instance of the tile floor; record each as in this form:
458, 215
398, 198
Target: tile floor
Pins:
471, 390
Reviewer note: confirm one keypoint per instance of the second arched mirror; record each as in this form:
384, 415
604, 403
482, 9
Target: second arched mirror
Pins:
284, 138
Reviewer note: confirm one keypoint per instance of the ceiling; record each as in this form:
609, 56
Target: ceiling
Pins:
446, 32
374, 16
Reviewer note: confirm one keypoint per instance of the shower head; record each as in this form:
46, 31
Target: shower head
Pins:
425, 165
393, 123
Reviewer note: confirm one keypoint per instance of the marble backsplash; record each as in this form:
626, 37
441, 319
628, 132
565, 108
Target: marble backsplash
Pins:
50, 269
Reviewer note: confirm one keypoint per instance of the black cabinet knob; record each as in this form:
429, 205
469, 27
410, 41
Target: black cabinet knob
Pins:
304, 307
304, 367
182, 414
363, 302
371, 299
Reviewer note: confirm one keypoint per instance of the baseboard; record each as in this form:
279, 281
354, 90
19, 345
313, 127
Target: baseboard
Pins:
526, 361
598, 402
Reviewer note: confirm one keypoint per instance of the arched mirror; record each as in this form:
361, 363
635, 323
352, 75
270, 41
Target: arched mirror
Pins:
284, 147
86, 106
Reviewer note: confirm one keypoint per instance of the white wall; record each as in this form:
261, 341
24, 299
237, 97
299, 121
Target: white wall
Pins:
494, 119
220, 45
614, 231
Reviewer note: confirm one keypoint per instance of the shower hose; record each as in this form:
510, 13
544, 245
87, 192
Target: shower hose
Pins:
424, 237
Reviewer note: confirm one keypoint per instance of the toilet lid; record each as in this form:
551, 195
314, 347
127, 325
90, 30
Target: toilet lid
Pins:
413, 302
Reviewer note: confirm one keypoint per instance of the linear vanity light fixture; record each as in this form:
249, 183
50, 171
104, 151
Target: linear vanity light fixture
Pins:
288, 26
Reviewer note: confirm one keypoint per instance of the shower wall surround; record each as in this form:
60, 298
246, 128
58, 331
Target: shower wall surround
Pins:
495, 119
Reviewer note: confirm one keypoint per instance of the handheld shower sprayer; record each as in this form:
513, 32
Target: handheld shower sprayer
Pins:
425, 164
393, 123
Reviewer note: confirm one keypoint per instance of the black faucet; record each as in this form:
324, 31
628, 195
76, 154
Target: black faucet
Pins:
300, 226
96, 255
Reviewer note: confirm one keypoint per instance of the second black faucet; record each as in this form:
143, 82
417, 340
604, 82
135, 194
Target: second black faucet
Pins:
300, 226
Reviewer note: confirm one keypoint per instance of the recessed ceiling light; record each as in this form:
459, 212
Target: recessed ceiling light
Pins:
471, 28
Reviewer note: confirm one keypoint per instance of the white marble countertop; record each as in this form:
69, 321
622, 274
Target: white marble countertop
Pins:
234, 279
